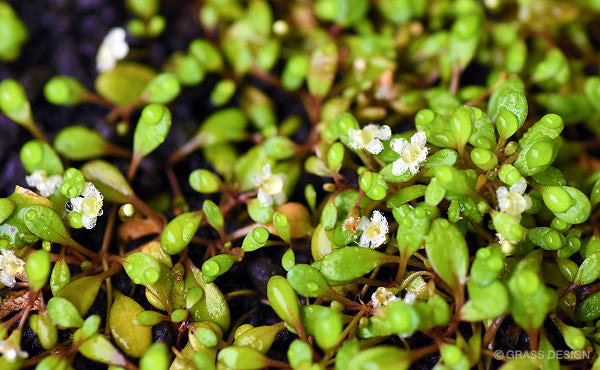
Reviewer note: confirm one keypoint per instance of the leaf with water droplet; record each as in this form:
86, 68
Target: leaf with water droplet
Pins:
64, 313
308, 281
61, 275
213, 305
43, 222
109, 180
217, 265
141, 268
179, 232
151, 130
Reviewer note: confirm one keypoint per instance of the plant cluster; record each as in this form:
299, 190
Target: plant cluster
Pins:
439, 214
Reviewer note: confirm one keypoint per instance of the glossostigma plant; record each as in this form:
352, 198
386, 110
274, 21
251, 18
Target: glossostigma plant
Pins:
306, 185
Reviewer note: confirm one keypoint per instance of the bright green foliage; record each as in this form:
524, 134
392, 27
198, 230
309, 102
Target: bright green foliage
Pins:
425, 173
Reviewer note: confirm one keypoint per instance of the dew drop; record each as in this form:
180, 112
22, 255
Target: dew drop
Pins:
30, 215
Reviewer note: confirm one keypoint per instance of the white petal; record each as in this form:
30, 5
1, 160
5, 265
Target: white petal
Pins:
398, 145
379, 240
380, 219
419, 138
120, 50
409, 297
364, 241
375, 146
423, 154
399, 167
385, 132
7, 280
116, 33
363, 224
267, 170
355, 139
520, 186
501, 193
257, 180
528, 202
36, 178
414, 167
279, 198
76, 203
264, 198
371, 127
88, 222
91, 191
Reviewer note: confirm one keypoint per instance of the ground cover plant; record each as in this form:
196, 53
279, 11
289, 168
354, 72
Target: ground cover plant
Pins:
306, 185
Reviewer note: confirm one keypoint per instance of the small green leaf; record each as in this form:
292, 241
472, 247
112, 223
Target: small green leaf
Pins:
158, 357
351, 262
308, 281
213, 215
162, 89
7, 207
38, 269
141, 268
322, 68
284, 301
242, 358
151, 130
204, 181
81, 143
81, 292
98, 348
589, 270
108, 179
43, 222
64, 313
125, 83
132, 338
45, 329
449, 263
485, 303
179, 232
61, 275
260, 338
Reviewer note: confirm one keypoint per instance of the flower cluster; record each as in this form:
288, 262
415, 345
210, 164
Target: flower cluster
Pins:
112, 49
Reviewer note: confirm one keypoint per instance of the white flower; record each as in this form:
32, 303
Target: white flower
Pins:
12, 266
382, 297
44, 184
513, 202
270, 187
374, 230
369, 138
411, 154
113, 48
507, 246
410, 297
89, 204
